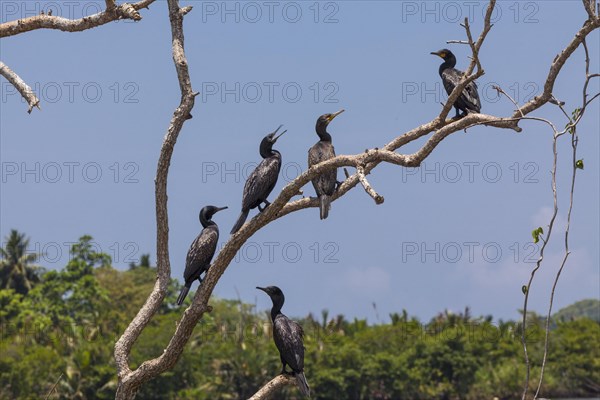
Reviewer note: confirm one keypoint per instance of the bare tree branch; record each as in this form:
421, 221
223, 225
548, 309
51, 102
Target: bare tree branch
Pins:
43, 21
556, 66
268, 390
110, 4
360, 171
439, 128
589, 7
474, 49
467, 77
129, 381
21, 86
112, 13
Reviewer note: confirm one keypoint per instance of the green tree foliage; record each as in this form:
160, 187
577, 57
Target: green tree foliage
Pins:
64, 328
16, 270
589, 308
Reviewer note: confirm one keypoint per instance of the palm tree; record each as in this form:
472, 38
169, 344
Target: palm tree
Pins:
16, 270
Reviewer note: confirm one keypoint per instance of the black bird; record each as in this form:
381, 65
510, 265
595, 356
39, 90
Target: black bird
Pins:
201, 251
287, 335
262, 180
468, 101
324, 184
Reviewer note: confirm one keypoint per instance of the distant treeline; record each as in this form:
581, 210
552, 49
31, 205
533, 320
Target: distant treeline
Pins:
58, 330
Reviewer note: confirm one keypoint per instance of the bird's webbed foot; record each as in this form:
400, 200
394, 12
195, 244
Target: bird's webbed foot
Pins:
458, 114
337, 185
267, 204
284, 371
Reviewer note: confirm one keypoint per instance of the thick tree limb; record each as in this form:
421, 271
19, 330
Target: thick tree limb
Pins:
267, 391
21, 86
112, 13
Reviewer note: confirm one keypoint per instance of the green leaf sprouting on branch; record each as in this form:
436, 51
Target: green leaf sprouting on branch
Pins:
536, 234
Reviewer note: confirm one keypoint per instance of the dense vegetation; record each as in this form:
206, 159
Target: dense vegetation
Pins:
58, 329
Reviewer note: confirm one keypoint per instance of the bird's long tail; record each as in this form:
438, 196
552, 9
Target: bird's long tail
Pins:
302, 384
183, 294
325, 205
240, 221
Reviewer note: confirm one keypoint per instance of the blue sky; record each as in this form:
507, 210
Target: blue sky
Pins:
454, 233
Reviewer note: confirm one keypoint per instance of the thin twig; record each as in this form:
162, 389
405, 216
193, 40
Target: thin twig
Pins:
572, 127
474, 49
563, 263
53, 388
539, 262
501, 91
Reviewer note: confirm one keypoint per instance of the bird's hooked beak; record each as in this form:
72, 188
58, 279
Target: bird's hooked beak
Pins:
278, 136
262, 288
220, 209
335, 114
438, 53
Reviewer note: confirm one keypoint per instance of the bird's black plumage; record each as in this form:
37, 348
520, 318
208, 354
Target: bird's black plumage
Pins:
262, 180
468, 101
287, 335
201, 251
324, 184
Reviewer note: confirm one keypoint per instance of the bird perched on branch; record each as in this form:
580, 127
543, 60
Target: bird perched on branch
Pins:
287, 335
468, 101
262, 180
325, 184
201, 251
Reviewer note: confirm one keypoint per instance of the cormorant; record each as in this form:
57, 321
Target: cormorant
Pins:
468, 101
287, 335
201, 251
324, 184
262, 180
